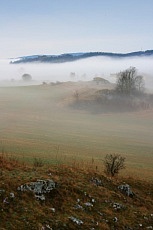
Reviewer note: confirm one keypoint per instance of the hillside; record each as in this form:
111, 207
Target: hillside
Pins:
69, 57
72, 197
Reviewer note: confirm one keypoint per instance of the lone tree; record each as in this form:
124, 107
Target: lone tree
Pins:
113, 163
129, 82
26, 77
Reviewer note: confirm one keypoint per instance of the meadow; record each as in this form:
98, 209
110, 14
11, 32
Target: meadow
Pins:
36, 122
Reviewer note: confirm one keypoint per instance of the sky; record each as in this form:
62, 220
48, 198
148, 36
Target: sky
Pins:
29, 27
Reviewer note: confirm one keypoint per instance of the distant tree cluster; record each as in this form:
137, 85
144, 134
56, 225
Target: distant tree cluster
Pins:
26, 77
128, 82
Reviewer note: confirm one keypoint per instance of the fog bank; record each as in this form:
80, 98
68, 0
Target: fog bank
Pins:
84, 70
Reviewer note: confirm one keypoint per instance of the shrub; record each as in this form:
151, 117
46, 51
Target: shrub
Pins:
113, 163
38, 162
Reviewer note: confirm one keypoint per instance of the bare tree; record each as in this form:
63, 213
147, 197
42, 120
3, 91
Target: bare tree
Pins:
113, 163
139, 82
129, 82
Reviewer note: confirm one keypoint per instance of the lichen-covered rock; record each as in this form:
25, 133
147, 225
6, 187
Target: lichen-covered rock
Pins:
40, 197
75, 220
118, 206
77, 206
38, 188
96, 181
125, 188
88, 204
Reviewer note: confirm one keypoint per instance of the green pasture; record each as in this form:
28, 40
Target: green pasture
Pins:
35, 121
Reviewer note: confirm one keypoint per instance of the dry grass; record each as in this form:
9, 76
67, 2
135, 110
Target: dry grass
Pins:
25, 212
36, 122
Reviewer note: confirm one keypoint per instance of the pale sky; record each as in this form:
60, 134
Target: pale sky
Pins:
29, 27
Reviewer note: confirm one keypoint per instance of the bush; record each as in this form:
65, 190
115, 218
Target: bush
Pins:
113, 163
26, 77
38, 162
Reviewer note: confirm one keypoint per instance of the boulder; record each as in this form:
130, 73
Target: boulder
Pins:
125, 188
38, 187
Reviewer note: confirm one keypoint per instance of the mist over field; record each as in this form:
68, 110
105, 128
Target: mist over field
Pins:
84, 70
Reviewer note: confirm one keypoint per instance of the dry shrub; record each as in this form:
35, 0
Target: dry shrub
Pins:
113, 163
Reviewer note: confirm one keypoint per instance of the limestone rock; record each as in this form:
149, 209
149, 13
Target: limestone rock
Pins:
125, 188
39, 188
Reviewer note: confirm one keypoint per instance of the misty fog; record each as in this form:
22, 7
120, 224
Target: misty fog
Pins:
85, 70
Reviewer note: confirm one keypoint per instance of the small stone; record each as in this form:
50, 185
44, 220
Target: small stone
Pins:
12, 195
52, 209
75, 220
77, 206
6, 200
88, 204
101, 214
48, 227
96, 181
118, 206
115, 219
40, 197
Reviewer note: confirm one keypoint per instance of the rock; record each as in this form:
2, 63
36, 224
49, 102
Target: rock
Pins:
96, 181
48, 227
77, 206
39, 188
12, 195
53, 209
75, 220
118, 206
5, 201
40, 197
125, 188
88, 204
115, 219
101, 214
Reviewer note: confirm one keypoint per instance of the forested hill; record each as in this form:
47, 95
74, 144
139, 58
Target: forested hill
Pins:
69, 57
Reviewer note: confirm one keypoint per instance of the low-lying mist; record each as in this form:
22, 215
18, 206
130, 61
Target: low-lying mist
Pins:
85, 70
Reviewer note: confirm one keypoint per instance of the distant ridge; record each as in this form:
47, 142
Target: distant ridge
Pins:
69, 57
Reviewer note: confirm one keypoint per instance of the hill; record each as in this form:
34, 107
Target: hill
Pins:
70, 197
69, 57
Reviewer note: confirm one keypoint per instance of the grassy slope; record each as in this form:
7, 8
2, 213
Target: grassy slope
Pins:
35, 121
25, 212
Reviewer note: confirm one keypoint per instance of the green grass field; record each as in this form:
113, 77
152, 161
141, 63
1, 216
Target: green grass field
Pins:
35, 121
